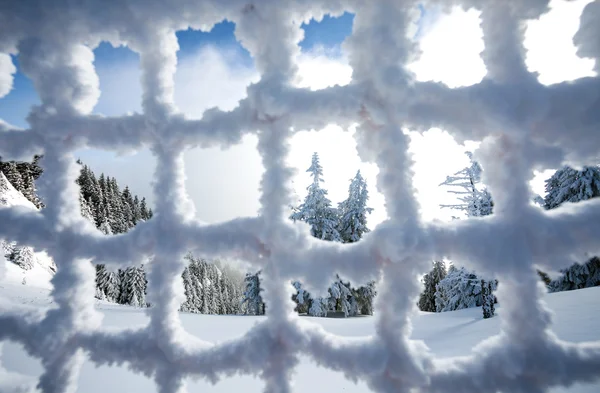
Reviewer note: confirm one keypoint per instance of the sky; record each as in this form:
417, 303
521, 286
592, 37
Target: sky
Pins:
214, 70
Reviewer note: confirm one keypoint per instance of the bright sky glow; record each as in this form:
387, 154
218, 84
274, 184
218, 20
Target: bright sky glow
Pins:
214, 70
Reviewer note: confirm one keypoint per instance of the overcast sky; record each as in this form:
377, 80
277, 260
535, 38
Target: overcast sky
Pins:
214, 70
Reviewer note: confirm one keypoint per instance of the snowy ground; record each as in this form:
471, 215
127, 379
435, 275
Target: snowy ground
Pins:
577, 318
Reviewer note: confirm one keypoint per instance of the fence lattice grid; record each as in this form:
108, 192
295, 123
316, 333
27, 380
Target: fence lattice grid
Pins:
523, 125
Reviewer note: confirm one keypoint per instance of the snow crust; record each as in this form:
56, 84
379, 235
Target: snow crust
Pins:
522, 125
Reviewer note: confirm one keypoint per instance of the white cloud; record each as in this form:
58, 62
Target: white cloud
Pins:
7, 69
549, 41
450, 50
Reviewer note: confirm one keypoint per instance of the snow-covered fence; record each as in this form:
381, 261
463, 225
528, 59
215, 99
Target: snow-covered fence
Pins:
523, 126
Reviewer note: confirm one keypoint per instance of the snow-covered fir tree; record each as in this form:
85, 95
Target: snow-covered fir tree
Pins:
108, 284
475, 201
364, 296
578, 276
22, 176
353, 211
430, 281
319, 307
211, 287
568, 185
572, 185
316, 210
133, 287
341, 299
345, 224
487, 299
459, 289
252, 298
22, 256
302, 298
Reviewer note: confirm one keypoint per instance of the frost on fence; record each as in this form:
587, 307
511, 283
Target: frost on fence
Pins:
522, 124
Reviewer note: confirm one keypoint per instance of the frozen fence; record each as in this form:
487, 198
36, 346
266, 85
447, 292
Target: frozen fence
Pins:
523, 126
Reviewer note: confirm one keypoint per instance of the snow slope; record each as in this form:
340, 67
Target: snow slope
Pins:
577, 318
42, 267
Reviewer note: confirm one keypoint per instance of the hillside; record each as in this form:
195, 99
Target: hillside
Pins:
30, 268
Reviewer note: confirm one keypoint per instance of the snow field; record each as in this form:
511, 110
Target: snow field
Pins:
448, 334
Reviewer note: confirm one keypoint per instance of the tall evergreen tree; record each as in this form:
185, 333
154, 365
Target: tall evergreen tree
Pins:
353, 211
571, 185
430, 281
487, 299
252, 297
475, 201
316, 209
135, 284
459, 289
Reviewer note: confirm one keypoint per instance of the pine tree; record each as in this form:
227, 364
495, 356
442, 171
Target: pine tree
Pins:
475, 201
13, 175
319, 307
23, 257
137, 214
144, 214
487, 299
108, 283
301, 298
191, 302
135, 282
459, 289
86, 209
252, 295
364, 296
430, 281
316, 209
571, 185
353, 211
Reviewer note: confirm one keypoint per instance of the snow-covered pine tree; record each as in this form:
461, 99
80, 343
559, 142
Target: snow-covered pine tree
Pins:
22, 176
487, 299
144, 213
459, 289
86, 209
224, 296
252, 297
318, 307
430, 281
13, 175
137, 213
214, 290
316, 209
135, 282
301, 298
475, 200
191, 302
578, 276
364, 296
23, 257
127, 206
108, 283
341, 299
204, 281
353, 211
572, 185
